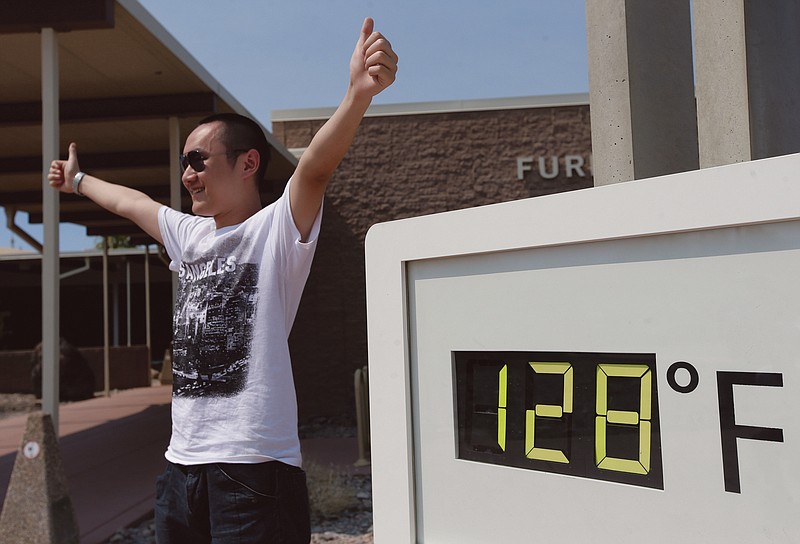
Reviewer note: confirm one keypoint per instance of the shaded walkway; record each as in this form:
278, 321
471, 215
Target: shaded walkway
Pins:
113, 450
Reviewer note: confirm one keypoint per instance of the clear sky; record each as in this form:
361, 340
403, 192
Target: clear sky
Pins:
289, 54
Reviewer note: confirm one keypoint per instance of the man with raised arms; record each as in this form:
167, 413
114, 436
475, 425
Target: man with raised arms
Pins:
233, 471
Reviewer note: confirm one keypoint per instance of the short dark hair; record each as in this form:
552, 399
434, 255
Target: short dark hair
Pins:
240, 132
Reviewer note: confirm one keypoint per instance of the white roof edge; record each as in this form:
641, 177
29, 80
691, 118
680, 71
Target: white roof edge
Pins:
144, 17
449, 106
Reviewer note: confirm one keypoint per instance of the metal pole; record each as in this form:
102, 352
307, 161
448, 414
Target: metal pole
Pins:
147, 300
50, 203
175, 184
115, 312
106, 351
128, 294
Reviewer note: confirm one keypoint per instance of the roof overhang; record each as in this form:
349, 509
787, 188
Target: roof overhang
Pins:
122, 78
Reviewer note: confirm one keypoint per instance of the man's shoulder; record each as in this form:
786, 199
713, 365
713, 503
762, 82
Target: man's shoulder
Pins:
269, 210
177, 216
183, 226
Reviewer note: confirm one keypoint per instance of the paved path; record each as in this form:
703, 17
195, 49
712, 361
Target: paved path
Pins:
113, 450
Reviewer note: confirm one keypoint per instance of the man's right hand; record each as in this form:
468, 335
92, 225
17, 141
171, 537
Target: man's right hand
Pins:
118, 199
61, 172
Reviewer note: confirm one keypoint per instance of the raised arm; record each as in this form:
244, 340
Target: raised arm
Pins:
373, 67
123, 201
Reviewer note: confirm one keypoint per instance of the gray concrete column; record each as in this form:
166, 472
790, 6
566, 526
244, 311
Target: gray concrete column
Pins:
51, 212
106, 342
748, 79
723, 120
641, 89
175, 184
148, 335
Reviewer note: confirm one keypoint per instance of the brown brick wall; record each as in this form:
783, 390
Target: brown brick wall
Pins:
405, 166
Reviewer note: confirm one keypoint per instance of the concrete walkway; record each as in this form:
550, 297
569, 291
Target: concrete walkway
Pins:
113, 450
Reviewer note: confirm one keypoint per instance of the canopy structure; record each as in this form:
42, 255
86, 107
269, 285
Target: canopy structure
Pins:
107, 75
128, 94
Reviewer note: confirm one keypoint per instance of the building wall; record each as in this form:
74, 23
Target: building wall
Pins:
81, 306
402, 166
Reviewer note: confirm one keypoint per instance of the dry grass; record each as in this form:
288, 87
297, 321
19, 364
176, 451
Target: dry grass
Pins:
330, 492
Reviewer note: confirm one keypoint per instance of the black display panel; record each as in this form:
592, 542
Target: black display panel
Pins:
591, 415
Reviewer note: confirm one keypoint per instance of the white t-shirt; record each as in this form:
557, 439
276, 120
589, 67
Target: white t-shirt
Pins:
233, 396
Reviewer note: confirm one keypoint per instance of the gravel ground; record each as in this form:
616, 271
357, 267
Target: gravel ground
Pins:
350, 527
17, 403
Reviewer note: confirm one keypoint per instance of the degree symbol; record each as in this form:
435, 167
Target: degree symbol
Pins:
694, 378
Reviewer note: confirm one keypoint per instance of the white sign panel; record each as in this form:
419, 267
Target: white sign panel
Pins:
619, 364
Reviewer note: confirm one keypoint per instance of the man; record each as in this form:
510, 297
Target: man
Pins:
233, 471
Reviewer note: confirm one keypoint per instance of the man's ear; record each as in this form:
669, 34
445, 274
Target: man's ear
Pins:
251, 162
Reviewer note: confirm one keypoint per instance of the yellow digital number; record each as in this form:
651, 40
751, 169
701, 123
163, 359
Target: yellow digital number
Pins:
549, 411
620, 417
502, 390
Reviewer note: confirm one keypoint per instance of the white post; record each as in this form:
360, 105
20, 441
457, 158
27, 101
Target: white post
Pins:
50, 252
128, 297
174, 179
106, 349
147, 301
115, 312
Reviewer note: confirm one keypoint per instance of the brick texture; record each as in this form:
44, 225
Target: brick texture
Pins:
405, 166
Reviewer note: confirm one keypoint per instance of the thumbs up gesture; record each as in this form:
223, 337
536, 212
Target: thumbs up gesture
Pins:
61, 172
373, 66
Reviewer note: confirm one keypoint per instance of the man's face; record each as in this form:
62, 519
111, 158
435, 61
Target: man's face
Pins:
212, 189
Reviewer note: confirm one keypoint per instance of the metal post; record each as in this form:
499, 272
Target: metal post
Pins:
174, 180
147, 300
115, 312
362, 416
128, 295
50, 253
106, 351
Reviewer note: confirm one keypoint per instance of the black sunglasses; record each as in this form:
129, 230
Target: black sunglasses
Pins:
197, 160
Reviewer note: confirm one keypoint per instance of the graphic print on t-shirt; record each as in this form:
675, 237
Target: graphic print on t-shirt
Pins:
215, 310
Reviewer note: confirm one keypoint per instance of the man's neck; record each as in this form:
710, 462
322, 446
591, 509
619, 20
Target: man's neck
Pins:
239, 214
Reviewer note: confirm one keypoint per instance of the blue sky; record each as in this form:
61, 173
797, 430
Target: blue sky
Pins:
285, 55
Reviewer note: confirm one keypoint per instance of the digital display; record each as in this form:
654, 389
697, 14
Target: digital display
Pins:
590, 415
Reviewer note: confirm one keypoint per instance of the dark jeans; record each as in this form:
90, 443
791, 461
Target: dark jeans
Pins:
232, 503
